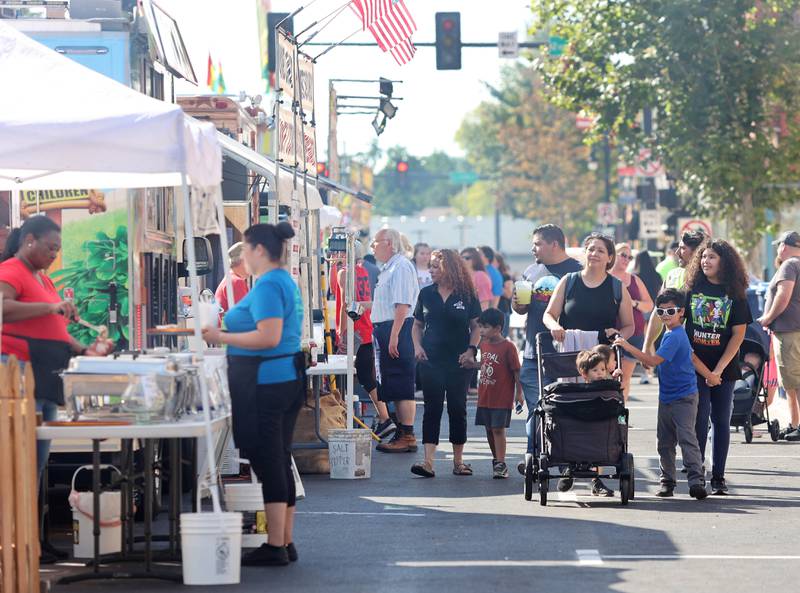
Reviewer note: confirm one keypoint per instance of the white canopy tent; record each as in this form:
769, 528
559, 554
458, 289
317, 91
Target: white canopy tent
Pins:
102, 134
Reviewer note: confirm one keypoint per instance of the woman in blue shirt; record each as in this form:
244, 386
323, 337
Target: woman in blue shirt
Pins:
266, 375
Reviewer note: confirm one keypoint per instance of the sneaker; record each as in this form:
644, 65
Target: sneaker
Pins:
400, 443
267, 555
666, 491
291, 552
789, 429
600, 489
565, 483
385, 428
645, 380
718, 486
500, 471
698, 491
793, 436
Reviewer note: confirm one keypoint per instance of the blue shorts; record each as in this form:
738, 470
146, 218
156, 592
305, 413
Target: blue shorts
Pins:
396, 376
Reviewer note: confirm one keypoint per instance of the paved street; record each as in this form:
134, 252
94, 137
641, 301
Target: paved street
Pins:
399, 533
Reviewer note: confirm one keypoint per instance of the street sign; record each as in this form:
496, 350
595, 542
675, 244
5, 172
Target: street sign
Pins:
694, 224
463, 177
607, 213
646, 166
556, 45
507, 45
649, 224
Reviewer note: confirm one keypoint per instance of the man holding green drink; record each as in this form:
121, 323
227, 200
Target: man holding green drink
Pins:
531, 296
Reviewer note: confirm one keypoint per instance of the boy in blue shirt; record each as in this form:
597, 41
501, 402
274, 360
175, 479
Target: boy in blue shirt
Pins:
677, 396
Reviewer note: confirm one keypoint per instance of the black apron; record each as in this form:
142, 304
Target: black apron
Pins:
243, 385
48, 359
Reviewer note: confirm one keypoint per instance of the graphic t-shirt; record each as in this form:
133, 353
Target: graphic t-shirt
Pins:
544, 280
496, 380
29, 290
274, 294
363, 326
710, 317
676, 376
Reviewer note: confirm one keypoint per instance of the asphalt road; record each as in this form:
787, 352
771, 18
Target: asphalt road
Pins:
398, 533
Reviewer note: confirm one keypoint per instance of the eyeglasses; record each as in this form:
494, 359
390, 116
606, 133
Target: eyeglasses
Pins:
377, 241
669, 311
625, 255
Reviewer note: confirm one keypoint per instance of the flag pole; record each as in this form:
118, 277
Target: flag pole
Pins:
335, 45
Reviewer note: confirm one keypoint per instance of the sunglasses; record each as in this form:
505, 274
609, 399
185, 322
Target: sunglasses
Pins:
669, 311
625, 255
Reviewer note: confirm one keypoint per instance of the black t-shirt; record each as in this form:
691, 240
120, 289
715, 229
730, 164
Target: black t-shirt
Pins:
590, 309
505, 303
446, 333
710, 317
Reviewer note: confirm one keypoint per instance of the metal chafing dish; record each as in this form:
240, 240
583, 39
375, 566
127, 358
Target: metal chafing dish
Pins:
142, 388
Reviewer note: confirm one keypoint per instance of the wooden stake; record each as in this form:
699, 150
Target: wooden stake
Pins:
7, 499
22, 527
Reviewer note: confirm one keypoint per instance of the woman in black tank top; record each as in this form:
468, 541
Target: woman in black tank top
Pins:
588, 302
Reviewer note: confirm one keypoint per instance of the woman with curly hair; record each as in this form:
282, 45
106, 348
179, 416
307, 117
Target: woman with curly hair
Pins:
446, 338
717, 315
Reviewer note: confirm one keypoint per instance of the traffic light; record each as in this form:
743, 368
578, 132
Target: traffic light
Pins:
322, 170
402, 167
448, 41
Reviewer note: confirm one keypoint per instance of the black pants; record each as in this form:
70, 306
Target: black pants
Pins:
438, 382
365, 367
278, 406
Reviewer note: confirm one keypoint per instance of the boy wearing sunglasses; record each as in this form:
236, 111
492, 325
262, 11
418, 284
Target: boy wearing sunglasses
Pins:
677, 396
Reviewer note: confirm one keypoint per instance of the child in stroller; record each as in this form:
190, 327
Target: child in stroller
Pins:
580, 426
751, 394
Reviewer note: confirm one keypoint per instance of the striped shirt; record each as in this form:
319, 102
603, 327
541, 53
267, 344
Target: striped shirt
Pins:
397, 285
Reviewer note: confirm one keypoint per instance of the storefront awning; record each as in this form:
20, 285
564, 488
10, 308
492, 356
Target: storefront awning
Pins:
329, 183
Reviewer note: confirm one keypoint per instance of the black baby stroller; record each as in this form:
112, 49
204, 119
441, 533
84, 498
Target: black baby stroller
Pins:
749, 394
579, 426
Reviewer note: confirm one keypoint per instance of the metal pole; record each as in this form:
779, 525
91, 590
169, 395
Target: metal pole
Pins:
350, 297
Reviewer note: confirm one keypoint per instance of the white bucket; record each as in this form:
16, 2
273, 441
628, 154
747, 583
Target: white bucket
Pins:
212, 548
82, 504
350, 453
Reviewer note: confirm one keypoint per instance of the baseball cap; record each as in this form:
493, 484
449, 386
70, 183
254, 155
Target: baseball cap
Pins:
791, 238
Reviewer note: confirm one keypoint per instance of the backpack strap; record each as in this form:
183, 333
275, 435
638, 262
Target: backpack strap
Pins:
616, 285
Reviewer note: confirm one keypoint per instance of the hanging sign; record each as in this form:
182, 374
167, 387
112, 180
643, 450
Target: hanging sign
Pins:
305, 76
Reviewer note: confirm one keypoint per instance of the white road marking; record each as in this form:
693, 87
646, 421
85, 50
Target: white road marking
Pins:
640, 456
482, 563
694, 557
589, 557
365, 514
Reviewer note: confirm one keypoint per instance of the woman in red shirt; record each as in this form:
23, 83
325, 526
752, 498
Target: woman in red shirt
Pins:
35, 317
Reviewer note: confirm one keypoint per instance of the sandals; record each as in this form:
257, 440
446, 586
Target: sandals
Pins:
462, 469
423, 469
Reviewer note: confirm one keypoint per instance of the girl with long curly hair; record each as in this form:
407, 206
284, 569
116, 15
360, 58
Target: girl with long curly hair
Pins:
446, 338
717, 315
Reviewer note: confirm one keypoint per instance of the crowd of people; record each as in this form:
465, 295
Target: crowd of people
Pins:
440, 321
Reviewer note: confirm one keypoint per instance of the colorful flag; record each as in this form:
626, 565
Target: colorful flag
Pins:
403, 52
210, 77
220, 86
390, 23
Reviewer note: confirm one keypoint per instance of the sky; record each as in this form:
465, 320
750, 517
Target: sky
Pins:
434, 102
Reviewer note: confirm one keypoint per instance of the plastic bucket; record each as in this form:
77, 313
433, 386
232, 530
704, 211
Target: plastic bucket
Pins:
82, 505
212, 548
350, 453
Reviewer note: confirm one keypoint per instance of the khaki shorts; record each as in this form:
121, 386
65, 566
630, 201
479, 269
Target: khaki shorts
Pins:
787, 357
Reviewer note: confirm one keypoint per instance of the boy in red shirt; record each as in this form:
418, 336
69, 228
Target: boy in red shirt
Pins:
498, 386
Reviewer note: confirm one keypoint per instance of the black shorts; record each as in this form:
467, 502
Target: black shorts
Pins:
365, 367
395, 375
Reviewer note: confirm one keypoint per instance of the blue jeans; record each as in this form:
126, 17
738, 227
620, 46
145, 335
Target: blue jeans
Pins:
529, 377
715, 403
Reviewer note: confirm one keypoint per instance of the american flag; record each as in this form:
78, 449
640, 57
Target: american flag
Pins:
390, 23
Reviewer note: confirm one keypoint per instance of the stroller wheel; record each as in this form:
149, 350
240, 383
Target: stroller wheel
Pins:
624, 488
748, 432
544, 486
530, 475
774, 431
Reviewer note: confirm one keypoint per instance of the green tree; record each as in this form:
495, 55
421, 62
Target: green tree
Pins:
719, 73
530, 155
425, 184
